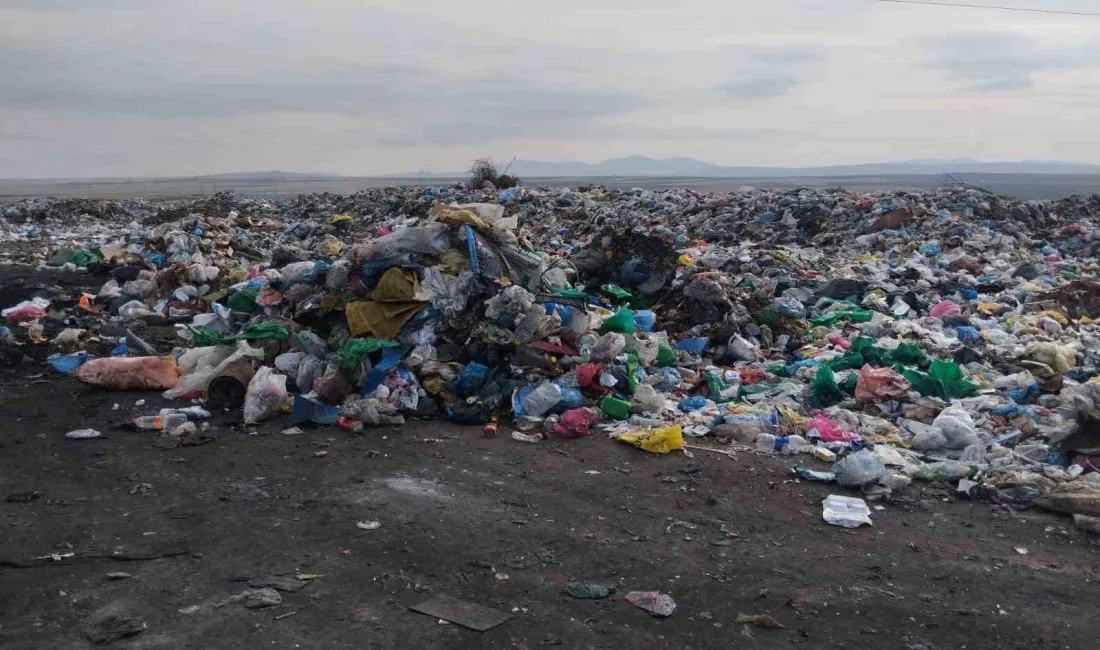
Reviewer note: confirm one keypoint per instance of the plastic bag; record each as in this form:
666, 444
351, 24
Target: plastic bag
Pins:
858, 469
647, 400
647, 350
880, 385
266, 392
945, 308
608, 347
134, 310
130, 373
288, 363
575, 423
310, 369
28, 310
621, 321
829, 430
657, 441
644, 320
824, 391
431, 238
957, 427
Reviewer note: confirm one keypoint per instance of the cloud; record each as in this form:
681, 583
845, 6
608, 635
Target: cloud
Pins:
125, 87
1003, 61
746, 89
765, 72
1001, 86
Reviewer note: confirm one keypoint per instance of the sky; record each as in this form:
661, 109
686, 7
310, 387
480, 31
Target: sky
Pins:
95, 88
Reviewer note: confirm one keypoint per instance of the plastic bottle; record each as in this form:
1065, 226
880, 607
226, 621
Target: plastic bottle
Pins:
644, 422
542, 399
796, 445
159, 422
765, 442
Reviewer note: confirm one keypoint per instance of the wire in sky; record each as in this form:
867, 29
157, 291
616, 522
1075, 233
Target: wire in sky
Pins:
970, 6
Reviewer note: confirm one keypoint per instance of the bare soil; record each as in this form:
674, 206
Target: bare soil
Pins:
495, 522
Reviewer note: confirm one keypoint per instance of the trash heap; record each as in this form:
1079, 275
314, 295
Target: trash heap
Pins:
887, 338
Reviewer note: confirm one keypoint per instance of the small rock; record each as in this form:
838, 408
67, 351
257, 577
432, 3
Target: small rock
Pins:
259, 598
280, 583
112, 626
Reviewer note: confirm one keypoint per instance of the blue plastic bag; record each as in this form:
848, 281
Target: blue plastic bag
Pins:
694, 346
695, 403
644, 320
68, 363
470, 380
968, 334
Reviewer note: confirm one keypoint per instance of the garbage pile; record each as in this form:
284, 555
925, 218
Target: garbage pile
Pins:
886, 338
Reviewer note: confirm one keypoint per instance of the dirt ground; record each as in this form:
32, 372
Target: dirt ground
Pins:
495, 522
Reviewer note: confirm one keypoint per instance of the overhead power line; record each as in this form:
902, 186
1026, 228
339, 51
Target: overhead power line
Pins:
1057, 12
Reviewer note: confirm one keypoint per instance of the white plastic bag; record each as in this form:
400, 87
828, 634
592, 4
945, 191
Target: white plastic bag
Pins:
266, 392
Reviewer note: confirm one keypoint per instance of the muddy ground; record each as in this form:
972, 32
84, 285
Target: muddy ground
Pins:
495, 522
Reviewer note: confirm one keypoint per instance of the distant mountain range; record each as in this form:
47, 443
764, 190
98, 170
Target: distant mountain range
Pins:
646, 166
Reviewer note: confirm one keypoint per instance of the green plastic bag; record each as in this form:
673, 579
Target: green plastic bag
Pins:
574, 294
715, 386
355, 350
622, 322
769, 316
949, 376
850, 315
84, 257
631, 372
202, 337
908, 354
754, 389
244, 300
618, 292
944, 380
778, 369
824, 391
268, 330
665, 355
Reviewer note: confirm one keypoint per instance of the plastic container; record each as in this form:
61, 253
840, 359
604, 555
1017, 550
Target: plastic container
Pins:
847, 512
616, 408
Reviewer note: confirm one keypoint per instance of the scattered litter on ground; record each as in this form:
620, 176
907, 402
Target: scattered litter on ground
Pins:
657, 604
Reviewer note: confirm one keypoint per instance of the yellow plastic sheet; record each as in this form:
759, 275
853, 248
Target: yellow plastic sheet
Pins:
657, 441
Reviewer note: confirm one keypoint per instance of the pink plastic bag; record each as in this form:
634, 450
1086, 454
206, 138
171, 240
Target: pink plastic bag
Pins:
130, 373
830, 431
24, 313
945, 308
880, 385
575, 423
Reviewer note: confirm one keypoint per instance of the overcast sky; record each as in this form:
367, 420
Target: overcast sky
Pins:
175, 87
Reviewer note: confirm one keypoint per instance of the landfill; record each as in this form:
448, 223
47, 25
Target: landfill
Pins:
881, 338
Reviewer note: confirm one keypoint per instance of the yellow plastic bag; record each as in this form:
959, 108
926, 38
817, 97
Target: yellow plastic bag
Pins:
657, 441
